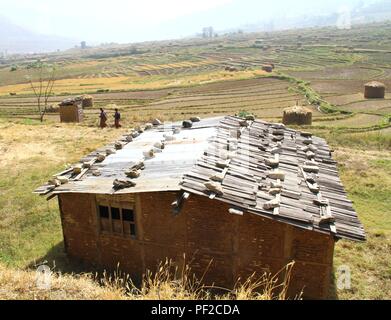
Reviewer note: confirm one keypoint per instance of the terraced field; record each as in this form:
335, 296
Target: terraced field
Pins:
347, 95
361, 120
265, 97
180, 78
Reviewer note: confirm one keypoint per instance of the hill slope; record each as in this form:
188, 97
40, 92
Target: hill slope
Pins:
15, 39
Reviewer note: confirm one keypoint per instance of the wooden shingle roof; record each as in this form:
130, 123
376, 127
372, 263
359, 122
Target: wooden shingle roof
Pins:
275, 172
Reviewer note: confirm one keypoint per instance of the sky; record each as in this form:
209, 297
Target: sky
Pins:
125, 21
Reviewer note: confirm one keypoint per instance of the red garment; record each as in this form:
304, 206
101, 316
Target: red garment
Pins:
103, 119
117, 118
103, 123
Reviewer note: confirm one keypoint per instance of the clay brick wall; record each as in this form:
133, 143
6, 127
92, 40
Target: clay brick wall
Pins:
313, 253
79, 226
219, 246
71, 113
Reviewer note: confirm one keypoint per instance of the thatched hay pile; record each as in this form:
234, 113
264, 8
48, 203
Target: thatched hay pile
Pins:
230, 69
69, 102
52, 109
268, 67
297, 115
374, 90
87, 101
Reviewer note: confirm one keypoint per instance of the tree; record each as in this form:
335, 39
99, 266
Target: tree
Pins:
43, 88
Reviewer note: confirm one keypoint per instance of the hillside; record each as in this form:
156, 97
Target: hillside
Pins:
357, 13
15, 39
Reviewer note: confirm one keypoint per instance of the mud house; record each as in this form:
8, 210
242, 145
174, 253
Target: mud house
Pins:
236, 197
71, 111
374, 90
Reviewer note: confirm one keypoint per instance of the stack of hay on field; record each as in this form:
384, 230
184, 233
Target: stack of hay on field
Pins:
52, 109
86, 101
268, 67
374, 90
231, 69
297, 115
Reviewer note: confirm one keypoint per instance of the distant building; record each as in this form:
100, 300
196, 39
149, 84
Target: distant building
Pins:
71, 110
208, 32
83, 45
374, 90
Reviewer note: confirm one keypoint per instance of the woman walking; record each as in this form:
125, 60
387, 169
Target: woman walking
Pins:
117, 118
103, 118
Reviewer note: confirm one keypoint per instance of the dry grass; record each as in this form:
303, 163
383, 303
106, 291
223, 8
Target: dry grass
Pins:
357, 121
20, 142
22, 285
147, 67
367, 178
165, 284
30, 153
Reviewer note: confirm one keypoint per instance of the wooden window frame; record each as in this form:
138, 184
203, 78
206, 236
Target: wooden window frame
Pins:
120, 206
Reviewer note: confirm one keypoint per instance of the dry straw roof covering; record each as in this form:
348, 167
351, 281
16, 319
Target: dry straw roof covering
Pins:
297, 109
257, 167
375, 84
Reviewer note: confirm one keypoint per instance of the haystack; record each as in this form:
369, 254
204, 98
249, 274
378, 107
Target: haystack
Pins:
268, 68
231, 69
374, 90
68, 102
297, 115
87, 101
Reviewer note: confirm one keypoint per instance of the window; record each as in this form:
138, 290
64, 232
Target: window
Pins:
117, 220
128, 215
104, 212
133, 229
128, 222
115, 215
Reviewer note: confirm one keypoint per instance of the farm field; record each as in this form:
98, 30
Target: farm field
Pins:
178, 79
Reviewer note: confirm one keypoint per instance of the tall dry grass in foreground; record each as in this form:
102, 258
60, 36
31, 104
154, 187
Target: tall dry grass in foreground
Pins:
168, 283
